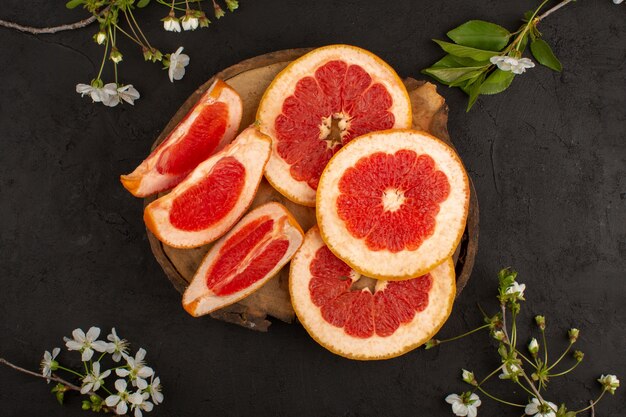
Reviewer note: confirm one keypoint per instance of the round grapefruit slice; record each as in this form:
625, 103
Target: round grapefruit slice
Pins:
393, 204
320, 102
210, 125
362, 318
243, 260
213, 197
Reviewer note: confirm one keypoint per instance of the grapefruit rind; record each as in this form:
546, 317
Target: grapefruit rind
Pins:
145, 180
450, 220
283, 85
251, 148
419, 330
198, 300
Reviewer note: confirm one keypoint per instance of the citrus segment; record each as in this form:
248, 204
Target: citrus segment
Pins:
379, 321
244, 259
209, 126
213, 197
319, 103
393, 204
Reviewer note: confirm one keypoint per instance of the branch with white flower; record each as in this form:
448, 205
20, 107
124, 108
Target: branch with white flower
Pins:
530, 373
133, 392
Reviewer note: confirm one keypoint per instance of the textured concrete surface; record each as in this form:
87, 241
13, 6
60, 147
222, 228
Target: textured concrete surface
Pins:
548, 158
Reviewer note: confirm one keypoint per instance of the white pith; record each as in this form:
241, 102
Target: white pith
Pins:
147, 173
283, 86
393, 199
252, 150
406, 337
450, 221
206, 300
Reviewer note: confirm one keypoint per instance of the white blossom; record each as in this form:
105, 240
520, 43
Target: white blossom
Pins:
128, 93
177, 64
137, 370
120, 399
171, 24
86, 343
537, 409
117, 347
155, 390
94, 379
609, 382
533, 346
48, 363
97, 94
509, 370
516, 288
508, 63
618, 1
463, 406
190, 22
112, 97
139, 402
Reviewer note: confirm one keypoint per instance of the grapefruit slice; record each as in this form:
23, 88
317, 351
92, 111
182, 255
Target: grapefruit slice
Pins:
243, 260
320, 102
209, 126
393, 204
361, 318
213, 197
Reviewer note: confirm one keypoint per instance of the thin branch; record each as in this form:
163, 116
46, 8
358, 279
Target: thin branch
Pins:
554, 9
593, 410
51, 29
52, 378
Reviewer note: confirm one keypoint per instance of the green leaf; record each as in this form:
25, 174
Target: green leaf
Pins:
451, 61
480, 34
473, 90
465, 51
142, 3
448, 75
497, 82
544, 55
469, 77
72, 4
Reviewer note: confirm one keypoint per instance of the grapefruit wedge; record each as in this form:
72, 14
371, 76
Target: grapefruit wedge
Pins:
393, 204
361, 318
320, 102
209, 126
243, 260
213, 197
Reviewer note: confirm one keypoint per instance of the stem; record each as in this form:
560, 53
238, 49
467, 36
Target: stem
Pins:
545, 347
513, 330
104, 57
525, 389
500, 400
525, 358
52, 29
565, 372
465, 334
71, 371
55, 379
495, 371
592, 403
130, 12
561, 357
552, 10
136, 38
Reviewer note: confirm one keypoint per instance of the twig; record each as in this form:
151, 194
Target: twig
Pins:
51, 29
554, 9
55, 379
593, 410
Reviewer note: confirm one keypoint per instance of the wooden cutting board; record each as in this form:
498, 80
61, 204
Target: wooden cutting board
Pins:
250, 78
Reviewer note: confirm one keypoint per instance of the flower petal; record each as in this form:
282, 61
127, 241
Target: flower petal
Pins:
78, 335
121, 408
94, 332
87, 354
111, 400
120, 385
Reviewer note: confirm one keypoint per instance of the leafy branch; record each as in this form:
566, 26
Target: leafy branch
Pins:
484, 57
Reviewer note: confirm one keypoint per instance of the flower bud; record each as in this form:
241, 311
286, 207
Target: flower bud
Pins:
86, 405
573, 335
609, 382
533, 347
578, 355
232, 5
431, 344
100, 37
171, 23
116, 56
468, 377
219, 12
541, 322
498, 335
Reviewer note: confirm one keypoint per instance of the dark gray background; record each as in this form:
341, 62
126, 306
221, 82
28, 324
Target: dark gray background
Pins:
547, 157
